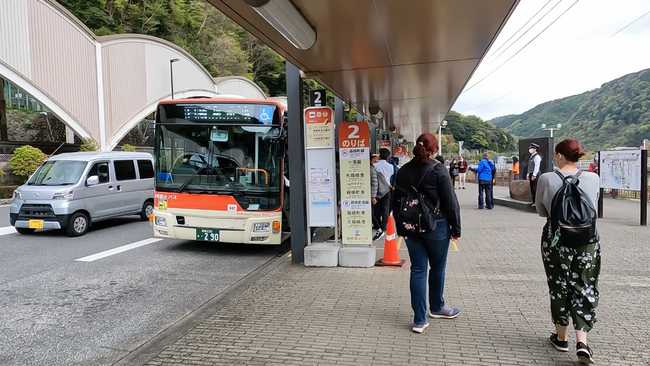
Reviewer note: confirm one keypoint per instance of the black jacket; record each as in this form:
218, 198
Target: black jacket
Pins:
436, 186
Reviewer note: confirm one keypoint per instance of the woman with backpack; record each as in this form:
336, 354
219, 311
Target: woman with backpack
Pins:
567, 197
427, 214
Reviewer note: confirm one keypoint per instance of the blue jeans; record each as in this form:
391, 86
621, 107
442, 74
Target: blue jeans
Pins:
424, 250
485, 187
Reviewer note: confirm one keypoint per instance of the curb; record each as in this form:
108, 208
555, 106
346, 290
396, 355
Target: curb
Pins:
517, 205
179, 328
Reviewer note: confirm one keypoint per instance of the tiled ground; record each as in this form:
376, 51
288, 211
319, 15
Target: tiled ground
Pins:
298, 315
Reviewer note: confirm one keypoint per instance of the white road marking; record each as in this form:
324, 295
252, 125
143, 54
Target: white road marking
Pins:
123, 248
7, 230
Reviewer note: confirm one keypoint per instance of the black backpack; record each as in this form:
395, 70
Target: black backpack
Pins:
573, 214
413, 215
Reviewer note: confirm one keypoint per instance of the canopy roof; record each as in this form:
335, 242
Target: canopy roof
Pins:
409, 58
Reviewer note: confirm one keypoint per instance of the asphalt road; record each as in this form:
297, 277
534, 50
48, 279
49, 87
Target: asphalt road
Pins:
55, 310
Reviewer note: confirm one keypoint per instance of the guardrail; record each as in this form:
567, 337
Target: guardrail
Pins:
504, 177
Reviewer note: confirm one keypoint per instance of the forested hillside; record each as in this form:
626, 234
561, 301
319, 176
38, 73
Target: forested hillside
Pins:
616, 114
478, 134
218, 43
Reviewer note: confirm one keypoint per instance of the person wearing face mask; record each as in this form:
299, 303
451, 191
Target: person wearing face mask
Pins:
534, 166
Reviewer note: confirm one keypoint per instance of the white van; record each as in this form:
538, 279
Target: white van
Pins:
71, 191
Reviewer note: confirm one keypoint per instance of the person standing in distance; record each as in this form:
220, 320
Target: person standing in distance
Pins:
485, 175
462, 172
385, 171
571, 254
453, 171
428, 246
534, 166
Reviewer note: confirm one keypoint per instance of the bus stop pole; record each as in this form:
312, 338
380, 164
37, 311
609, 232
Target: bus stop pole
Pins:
296, 150
601, 199
644, 187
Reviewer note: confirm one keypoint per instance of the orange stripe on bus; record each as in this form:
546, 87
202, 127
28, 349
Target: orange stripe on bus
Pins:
198, 201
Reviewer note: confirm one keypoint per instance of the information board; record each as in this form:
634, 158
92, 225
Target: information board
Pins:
320, 167
319, 130
354, 154
620, 169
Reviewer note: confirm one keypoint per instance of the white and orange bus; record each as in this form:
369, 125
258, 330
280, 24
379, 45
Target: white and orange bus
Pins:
220, 170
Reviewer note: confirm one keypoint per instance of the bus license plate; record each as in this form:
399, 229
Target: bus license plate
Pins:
36, 224
207, 234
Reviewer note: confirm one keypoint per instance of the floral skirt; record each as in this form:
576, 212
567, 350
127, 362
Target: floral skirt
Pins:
572, 275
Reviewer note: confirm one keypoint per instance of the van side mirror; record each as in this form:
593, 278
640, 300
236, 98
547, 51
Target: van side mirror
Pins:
92, 181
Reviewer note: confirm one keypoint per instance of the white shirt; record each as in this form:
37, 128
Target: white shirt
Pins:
385, 168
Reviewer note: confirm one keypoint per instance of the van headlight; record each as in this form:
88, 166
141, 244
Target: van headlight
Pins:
17, 195
160, 221
63, 195
261, 227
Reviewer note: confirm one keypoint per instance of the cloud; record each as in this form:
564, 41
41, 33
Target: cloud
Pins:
576, 54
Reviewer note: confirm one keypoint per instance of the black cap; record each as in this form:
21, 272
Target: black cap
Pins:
534, 146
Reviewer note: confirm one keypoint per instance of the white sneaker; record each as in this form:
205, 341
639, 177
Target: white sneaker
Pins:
420, 328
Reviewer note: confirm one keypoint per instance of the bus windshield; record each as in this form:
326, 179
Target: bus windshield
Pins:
219, 154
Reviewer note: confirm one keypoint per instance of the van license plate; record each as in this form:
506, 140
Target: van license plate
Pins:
36, 224
207, 235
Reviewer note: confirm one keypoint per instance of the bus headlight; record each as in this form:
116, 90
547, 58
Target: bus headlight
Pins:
17, 195
261, 227
160, 221
277, 225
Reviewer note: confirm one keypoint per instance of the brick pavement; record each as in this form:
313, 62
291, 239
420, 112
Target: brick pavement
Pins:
319, 316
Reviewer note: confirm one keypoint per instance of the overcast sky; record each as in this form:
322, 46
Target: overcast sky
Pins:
583, 49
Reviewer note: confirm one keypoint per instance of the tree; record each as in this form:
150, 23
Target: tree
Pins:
128, 148
25, 160
88, 145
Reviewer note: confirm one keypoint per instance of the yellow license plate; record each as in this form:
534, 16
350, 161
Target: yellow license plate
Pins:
36, 224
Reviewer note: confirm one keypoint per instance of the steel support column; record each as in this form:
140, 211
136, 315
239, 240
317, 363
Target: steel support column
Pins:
296, 156
339, 110
3, 113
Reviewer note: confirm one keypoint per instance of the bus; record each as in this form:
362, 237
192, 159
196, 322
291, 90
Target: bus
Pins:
220, 170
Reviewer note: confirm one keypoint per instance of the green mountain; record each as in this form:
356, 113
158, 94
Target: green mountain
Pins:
616, 114
478, 134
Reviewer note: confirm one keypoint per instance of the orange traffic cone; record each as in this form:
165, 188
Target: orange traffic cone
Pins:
391, 249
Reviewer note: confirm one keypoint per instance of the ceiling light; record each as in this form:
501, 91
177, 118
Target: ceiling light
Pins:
286, 19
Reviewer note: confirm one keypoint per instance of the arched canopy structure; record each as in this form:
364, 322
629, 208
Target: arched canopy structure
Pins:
101, 87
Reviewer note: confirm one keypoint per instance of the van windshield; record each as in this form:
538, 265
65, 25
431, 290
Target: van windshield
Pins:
58, 173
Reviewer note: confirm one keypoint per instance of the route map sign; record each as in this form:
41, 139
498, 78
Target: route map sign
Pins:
620, 169
354, 153
320, 165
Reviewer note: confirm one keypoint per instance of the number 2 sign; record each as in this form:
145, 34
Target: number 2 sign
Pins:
354, 149
354, 134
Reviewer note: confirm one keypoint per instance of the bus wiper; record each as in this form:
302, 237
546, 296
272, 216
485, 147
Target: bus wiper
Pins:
186, 183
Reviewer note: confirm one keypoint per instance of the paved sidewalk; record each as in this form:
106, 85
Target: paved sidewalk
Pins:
309, 316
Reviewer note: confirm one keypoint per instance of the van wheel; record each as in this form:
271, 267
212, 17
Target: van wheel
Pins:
78, 224
147, 210
24, 230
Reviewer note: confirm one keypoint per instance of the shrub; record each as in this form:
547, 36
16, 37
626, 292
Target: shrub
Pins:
128, 147
88, 145
7, 191
25, 160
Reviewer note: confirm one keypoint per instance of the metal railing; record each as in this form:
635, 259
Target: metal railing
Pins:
504, 177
